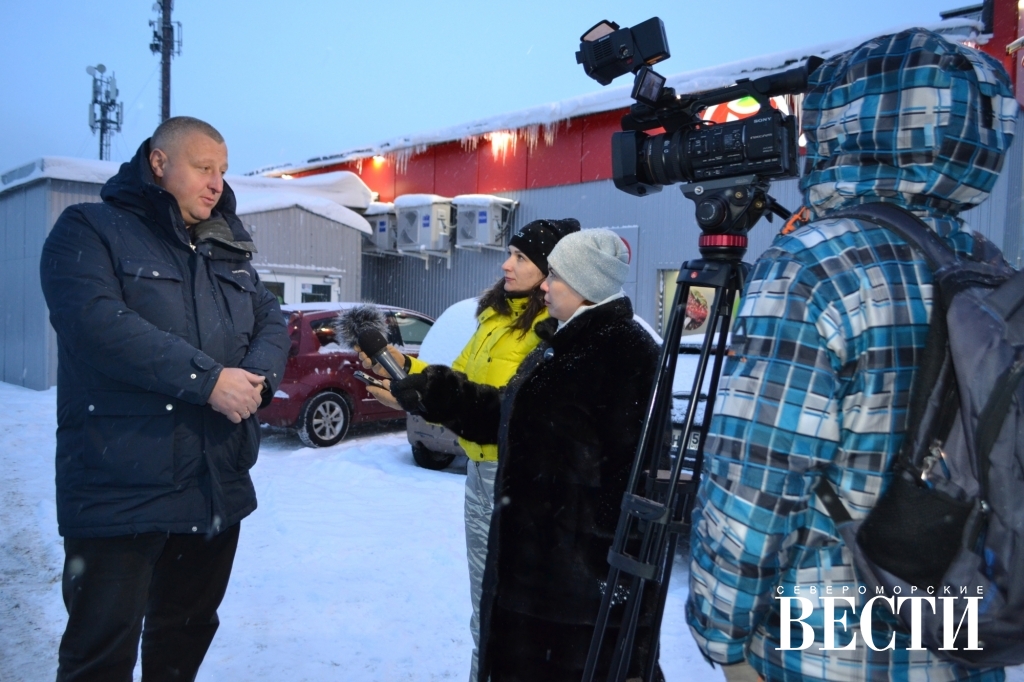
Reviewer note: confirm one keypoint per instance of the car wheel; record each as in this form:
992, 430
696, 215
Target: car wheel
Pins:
430, 459
324, 421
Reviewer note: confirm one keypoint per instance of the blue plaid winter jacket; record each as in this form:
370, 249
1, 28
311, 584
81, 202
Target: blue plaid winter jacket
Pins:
829, 331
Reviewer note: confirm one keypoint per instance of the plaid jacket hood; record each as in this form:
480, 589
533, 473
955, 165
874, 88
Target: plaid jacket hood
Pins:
909, 118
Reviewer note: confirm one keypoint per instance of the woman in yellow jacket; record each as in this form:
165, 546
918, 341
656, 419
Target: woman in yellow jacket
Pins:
507, 314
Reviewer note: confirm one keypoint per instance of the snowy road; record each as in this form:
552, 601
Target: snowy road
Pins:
353, 567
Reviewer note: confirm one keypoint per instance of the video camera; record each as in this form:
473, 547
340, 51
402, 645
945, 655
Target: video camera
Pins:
727, 166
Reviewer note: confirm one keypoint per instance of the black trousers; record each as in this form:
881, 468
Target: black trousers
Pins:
163, 587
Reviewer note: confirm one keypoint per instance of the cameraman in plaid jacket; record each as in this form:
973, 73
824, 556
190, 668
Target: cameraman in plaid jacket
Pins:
829, 332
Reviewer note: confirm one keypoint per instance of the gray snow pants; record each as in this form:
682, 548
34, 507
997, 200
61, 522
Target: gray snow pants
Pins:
479, 506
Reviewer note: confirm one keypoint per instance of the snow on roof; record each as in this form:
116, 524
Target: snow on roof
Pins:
250, 202
59, 168
342, 187
410, 200
609, 99
328, 195
379, 207
480, 200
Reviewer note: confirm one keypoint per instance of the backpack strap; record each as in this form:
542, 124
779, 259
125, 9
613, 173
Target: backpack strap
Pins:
908, 226
937, 254
826, 492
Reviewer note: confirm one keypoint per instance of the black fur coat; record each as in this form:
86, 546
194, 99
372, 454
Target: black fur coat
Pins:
567, 426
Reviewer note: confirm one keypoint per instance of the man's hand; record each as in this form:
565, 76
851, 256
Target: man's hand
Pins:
237, 394
383, 395
369, 364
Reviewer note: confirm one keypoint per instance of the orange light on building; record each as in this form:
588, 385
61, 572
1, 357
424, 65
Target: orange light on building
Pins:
379, 160
501, 141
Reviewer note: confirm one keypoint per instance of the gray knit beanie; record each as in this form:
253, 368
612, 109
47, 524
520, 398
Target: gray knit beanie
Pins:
594, 263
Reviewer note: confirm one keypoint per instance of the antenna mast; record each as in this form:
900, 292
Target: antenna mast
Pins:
166, 41
105, 112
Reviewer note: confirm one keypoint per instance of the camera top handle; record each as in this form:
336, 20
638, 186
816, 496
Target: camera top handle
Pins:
674, 112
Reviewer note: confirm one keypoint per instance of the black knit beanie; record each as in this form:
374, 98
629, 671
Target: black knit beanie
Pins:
538, 238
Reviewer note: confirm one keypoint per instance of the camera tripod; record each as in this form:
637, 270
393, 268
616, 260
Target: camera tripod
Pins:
666, 470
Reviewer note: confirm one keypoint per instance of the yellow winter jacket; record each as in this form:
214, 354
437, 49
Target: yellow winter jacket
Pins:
492, 357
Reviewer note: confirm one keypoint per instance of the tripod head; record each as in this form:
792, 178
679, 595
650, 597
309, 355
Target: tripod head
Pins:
726, 210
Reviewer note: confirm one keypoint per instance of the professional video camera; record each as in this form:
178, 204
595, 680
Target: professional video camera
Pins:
726, 167
726, 170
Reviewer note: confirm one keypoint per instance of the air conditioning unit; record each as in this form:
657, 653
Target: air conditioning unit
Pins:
383, 222
482, 220
424, 223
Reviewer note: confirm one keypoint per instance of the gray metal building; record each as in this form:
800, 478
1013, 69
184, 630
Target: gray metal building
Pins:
303, 256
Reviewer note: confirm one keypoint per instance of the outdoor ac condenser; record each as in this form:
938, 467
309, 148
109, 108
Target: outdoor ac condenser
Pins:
482, 220
424, 222
381, 216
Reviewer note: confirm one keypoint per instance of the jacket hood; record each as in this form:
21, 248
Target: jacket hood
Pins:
908, 118
134, 188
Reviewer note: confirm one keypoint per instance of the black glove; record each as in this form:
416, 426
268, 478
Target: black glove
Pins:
408, 392
432, 394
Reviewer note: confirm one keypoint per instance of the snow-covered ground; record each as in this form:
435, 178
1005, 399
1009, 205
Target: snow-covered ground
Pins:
353, 567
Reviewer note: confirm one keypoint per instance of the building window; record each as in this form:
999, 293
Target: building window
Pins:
316, 293
277, 289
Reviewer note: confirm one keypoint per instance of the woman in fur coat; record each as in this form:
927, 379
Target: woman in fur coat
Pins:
567, 428
507, 314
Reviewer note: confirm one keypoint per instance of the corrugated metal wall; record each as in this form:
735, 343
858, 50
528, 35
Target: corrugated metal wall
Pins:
20, 362
406, 281
29, 344
294, 241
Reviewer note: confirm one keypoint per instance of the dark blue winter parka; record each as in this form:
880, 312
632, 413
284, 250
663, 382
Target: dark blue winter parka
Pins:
145, 323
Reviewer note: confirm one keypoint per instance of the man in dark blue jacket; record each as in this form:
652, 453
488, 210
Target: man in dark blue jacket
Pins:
168, 343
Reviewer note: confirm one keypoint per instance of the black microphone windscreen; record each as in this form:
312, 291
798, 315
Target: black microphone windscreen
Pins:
371, 341
351, 323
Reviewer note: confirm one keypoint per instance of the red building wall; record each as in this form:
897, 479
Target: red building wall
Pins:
596, 151
418, 177
455, 169
558, 164
500, 172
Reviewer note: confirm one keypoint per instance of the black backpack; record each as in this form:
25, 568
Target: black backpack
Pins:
952, 516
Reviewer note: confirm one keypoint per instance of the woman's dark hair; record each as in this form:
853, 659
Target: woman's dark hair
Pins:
496, 297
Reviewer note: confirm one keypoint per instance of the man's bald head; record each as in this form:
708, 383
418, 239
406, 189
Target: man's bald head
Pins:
188, 158
170, 133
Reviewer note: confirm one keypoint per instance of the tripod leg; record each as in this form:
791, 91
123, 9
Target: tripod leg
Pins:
658, 510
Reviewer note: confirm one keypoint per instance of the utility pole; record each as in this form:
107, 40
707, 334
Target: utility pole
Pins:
105, 113
166, 41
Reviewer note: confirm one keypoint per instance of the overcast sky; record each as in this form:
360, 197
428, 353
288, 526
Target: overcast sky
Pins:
286, 81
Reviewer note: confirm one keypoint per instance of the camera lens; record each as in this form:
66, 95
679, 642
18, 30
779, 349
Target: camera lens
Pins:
663, 155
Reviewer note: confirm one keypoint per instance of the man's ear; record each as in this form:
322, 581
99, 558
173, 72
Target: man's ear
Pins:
157, 161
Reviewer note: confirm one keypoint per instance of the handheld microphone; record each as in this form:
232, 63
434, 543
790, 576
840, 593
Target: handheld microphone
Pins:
373, 343
364, 326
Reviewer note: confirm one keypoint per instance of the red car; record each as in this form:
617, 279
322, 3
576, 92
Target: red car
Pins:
319, 397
